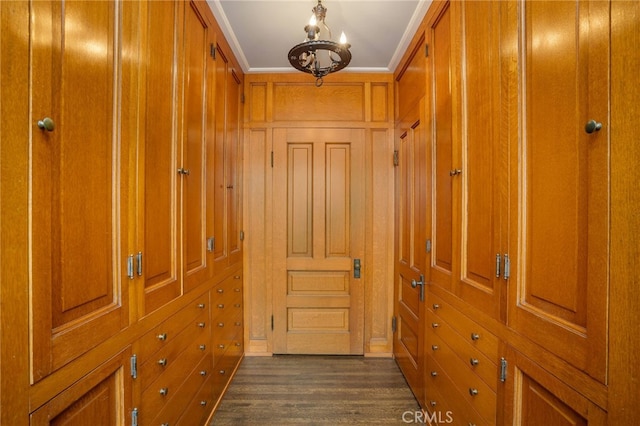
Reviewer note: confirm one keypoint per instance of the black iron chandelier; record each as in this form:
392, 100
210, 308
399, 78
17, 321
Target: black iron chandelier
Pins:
318, 54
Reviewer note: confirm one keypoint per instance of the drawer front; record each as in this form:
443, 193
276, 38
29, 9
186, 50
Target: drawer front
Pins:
162, 334
473, 333
188, 341
474, 390
170, 412
442, 397
476, 361
198, 410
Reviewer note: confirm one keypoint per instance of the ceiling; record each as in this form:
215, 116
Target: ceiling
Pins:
261, 32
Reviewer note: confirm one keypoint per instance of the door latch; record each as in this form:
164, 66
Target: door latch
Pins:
420, 283
356, 268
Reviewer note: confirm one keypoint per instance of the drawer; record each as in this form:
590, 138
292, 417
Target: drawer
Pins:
226, 304
198, 410
223, 371
162, 334
476, 361
165, 388
164, 359
473, 333
170, 412
442, 397
473, 389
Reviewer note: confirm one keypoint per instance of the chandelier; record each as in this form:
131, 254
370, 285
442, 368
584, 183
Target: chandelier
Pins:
318, 54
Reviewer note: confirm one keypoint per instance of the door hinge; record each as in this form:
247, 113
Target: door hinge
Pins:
241, 235
134, 417
134, 366
211, 244
130, 266
139, 263
503, 370
394, 324
497, 265
271, 322
507, 267
396, 158
271, 158
426, 50
212, 51
427, 246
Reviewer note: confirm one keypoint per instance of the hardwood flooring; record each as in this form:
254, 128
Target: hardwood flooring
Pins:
317, 390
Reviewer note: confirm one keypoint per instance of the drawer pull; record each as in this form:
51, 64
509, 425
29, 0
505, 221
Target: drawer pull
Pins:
203, 403
236, 277
162, 362
201, 305
220, 291
220, 324
221, 306
435, 325
237, 290
222, 372
221, 346
432, 403
475, 336
472, 424
238, 323
203, 373
237, 305
202, 347
436, 306
201, 324
164, 424
434, 347
474, 361
434, 374
238, 344
164, 391
473, 391
162, 336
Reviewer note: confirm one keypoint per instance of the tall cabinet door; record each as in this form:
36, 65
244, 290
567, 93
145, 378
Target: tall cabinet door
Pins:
562, 169
158, 182
480, 216
81, 128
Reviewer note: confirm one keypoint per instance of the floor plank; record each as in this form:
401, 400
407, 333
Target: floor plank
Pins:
316, 390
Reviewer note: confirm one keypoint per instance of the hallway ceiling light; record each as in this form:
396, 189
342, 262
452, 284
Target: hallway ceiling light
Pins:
318, 54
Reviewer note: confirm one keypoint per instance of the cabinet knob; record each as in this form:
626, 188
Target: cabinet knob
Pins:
238, 323
455, 172
221, 372
162, 336
435, 325
162, 362
220, 324
203, 373
475, 336
221, 346
592, 126
433, 403
202, 347
201, 305
201, 324
474, 361
434, 374
164, 391
236, 277
220, 291
436, 306
473, 391
46, 124
203, 403
434, 347
221, 306
184, 171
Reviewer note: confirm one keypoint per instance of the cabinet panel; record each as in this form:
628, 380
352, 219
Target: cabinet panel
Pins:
79, 179
563, 189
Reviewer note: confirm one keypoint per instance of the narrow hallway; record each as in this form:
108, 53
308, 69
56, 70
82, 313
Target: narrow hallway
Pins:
317, 390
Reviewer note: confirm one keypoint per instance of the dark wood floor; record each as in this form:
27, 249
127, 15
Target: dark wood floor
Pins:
316, 390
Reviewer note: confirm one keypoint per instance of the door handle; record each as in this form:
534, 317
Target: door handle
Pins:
356, 268
420, 283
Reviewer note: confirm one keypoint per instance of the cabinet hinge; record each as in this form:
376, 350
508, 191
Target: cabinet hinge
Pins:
427, 246
498, 265
139, 263
426, 50
134, 417
396, 158
212, 51
241, 235
130, 266
271, 322
211, 244
134, 366
503, 370
271, 158
394, 324
507, 267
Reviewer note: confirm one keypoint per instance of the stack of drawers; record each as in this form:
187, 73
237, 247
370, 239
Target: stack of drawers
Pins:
174, 368
227, 331
461, 367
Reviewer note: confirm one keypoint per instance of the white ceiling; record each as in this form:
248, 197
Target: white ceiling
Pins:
261, 32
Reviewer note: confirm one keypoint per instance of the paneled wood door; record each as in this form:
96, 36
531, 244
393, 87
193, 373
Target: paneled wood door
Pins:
318, 236
411, 249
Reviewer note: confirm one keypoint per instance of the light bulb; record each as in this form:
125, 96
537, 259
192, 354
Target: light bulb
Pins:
343, 38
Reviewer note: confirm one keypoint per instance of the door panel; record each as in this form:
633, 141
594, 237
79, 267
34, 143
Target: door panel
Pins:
318, 234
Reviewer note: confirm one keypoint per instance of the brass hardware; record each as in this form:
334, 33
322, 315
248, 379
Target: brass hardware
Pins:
498, 265
435, 325
432, 403
130, 266
475, 336
221, 346
356, 268
420, 283
220, 324
473, 391
46, 124
211, 244
202, 347
182, 171
436, 306
201, 324
221, 371
503, 370
203, 373
592, 126
162, 362
221, 306
434, 373
455, 172
139, 263
434, 347
201, 305
203, 403
164, 391
474, 361
220, 291
236, 277
162, 336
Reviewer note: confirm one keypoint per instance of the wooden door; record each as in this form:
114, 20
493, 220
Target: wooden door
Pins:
559, 299
79, 177
480, 217
318, 235
411, 249
158, 183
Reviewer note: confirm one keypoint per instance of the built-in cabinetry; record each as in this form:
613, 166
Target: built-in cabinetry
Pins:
518, 239
132, 207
